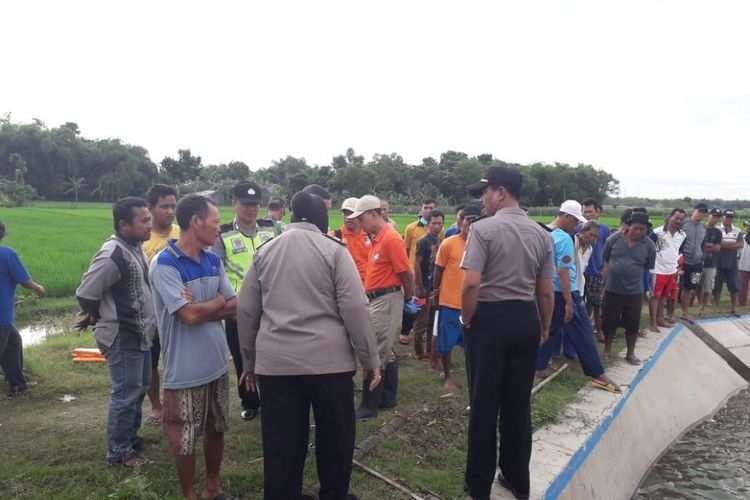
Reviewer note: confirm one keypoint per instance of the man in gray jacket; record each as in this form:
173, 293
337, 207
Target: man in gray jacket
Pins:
115, 296
302, 317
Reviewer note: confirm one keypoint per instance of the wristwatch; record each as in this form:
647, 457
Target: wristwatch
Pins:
461, 320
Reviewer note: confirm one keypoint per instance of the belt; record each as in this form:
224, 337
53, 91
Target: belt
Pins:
382, 291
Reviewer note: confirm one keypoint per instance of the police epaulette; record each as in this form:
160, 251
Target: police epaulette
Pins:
264, 222
479, 218
545, 227
334, 239
263, 244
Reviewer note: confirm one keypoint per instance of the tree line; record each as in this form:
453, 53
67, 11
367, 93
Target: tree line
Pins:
58, 163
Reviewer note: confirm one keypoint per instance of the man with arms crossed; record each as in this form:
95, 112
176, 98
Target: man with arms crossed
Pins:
191, 296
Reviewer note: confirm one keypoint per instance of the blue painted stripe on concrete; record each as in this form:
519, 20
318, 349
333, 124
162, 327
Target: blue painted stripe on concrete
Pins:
562, 480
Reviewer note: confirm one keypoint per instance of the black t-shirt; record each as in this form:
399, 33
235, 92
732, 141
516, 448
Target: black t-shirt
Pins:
427, 248
713, 235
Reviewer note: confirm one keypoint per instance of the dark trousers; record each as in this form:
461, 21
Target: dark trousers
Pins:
577, 331
249, 400
502, 346
285, 428
11, 356
407, 322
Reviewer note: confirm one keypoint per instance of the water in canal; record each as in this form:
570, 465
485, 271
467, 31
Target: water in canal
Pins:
711, 461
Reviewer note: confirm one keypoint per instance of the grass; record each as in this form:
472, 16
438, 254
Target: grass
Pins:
55, 449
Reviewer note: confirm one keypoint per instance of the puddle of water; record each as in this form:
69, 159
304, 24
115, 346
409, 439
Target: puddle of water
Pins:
35, 334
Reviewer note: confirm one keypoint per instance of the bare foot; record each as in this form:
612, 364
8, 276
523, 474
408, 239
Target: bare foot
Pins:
449, 384
664, 324
653, 329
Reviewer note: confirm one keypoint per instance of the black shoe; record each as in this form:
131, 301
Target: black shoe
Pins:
390, 386
248, 415
505, 484
371, 400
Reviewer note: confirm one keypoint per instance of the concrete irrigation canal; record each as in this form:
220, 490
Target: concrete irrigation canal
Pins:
604, 445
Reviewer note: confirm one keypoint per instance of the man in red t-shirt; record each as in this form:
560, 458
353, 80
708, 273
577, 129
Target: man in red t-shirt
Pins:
388, 271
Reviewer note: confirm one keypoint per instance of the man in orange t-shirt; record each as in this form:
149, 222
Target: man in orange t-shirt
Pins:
356, 240
388, 270
447, 284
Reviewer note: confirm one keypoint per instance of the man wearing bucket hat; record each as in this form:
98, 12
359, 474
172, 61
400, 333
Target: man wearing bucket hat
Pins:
506, 306
388, 274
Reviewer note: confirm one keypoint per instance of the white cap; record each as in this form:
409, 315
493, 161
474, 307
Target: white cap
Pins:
349, 204
367, 202
572, 207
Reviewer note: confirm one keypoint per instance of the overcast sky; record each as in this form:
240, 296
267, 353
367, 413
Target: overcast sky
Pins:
657, 93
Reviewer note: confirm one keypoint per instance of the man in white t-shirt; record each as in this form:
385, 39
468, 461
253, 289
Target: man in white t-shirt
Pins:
668, 240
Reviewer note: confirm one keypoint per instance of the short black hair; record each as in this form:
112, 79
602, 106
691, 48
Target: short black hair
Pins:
437, 213
2, 231
275, 204
308, 207
675, 210
159, 191
428, 200
193, 204
123, 210
317, 190
590, 202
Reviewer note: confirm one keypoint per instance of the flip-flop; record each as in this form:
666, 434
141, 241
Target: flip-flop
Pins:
403, 340
633, 360
609, 386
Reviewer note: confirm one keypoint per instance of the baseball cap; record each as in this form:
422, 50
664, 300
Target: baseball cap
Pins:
247, 192
507, 177
367, 202
472, 210
701, 206
349, 204
730, 213
715, 211
572, 207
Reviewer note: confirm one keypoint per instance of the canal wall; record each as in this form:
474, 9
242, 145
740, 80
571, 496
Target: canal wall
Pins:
605, 444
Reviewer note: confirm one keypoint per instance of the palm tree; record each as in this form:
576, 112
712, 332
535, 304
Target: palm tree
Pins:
76, 185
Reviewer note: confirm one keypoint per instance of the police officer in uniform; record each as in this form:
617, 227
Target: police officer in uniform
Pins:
507, 300
236, 246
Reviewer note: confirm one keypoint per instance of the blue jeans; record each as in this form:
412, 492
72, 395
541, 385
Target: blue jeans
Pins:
578, 331
130, 374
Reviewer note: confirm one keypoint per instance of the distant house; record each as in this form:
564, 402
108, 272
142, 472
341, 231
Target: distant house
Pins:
216, 195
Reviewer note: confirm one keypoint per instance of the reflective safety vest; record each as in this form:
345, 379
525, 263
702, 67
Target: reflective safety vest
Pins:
240, 249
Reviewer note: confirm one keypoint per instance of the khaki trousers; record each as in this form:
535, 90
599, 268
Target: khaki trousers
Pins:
385, 314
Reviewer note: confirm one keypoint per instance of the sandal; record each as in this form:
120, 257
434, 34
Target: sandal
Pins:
403, 340
153, 420
129, 461
609, 386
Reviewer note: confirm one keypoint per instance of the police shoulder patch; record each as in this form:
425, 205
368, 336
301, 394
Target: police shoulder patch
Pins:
332, 238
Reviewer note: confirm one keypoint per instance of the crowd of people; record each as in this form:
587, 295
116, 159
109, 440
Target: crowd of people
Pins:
297, 305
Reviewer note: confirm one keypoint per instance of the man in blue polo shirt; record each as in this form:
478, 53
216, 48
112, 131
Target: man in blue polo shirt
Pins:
191, 296
569, 318
12, 273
